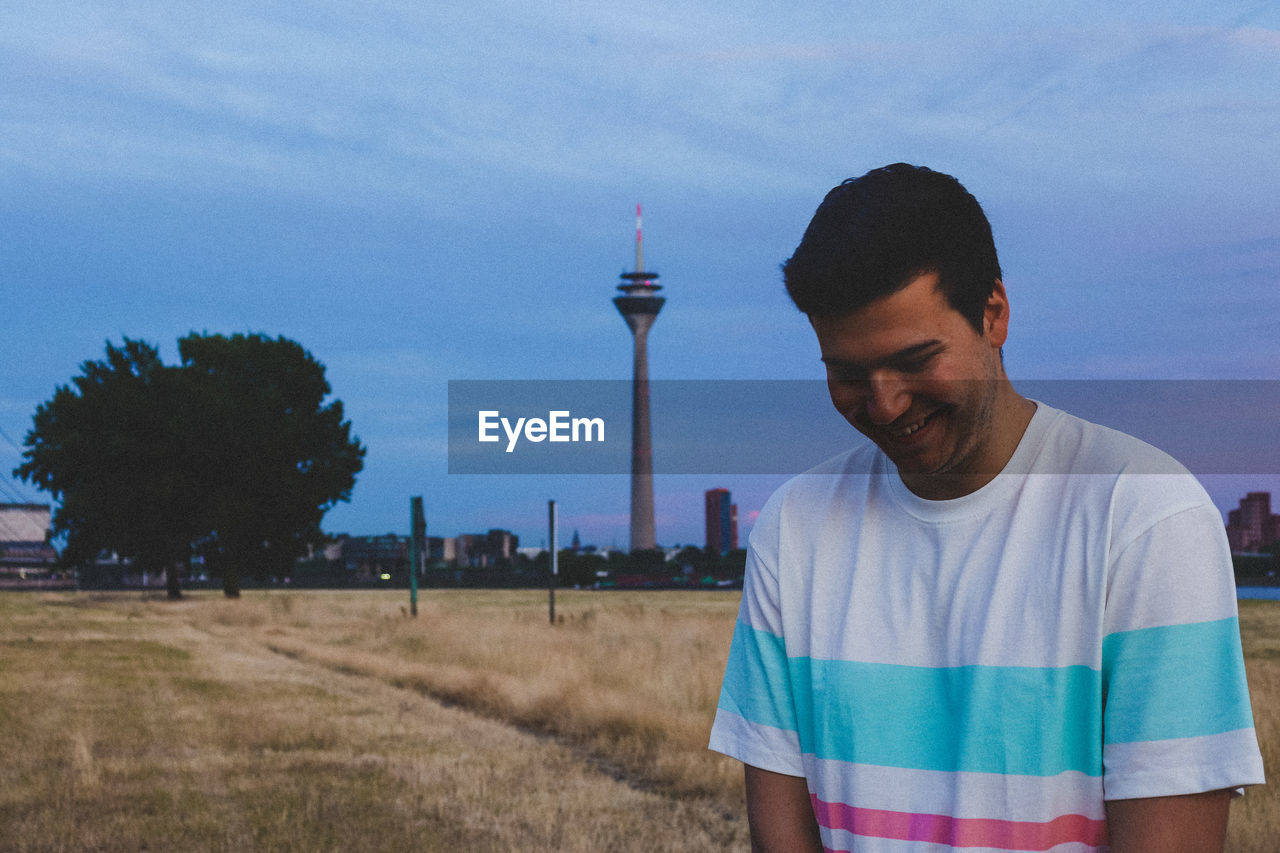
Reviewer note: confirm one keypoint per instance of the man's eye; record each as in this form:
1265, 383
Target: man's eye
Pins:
844, 373
916, 365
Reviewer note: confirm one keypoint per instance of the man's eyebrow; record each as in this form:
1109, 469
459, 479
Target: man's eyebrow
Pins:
905, 354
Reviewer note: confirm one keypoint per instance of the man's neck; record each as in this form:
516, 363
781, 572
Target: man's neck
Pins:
1011, 415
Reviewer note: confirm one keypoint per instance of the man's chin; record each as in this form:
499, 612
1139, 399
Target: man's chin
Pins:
920, 462
919, 468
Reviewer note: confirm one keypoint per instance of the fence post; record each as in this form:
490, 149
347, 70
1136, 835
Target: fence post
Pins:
417, 550
554, 564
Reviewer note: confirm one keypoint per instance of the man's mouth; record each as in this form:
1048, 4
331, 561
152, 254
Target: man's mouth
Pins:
911, 428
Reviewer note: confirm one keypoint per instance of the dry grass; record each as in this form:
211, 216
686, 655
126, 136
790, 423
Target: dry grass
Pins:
331, 720
1255, 819
137, 724
632, 678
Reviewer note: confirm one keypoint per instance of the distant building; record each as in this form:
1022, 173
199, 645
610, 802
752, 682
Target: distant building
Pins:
441, 549
722, 522
25, 522
501, 544
476, 550
26, 557
384, 558
1252, 526
376, 558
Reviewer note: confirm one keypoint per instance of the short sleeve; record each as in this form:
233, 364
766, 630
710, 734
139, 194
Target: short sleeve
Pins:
1176, 715
755, 720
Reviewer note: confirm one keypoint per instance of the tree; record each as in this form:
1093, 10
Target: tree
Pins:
109, 447
273, 456
694, 557
579, 568
233, 455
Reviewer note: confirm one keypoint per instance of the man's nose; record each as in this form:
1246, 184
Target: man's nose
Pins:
887, 399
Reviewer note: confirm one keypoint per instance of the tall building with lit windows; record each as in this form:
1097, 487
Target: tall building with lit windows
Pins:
1252, 527
722, 522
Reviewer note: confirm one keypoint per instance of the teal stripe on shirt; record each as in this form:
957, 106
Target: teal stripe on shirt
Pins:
985, 719
1175, 681
1160, 683
757, 684
992, 719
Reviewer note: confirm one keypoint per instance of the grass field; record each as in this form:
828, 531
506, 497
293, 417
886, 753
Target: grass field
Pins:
312, 721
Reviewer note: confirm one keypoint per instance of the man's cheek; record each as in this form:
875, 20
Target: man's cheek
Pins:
848, 405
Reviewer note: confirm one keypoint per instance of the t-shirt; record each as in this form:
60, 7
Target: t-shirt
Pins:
984, 672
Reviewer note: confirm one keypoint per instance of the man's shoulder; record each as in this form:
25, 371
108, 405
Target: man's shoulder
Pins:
830, 481
860, 461
1141, 476
1073, 445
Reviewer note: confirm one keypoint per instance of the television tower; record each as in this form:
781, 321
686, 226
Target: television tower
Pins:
639, 305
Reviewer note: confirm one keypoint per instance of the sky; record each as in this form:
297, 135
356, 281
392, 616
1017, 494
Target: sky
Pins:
425, 193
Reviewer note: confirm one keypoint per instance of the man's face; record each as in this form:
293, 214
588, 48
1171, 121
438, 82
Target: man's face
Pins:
910, 373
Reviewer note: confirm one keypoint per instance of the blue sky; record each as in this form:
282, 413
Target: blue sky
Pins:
426, 192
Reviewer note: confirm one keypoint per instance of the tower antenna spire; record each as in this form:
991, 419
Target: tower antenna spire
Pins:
639, 241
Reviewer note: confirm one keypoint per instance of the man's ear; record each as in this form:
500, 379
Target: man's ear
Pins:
995, 316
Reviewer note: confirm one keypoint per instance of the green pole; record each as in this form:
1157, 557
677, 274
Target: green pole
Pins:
554, 564
417, 550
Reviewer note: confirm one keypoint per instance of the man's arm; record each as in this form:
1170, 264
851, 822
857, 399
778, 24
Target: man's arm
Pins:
780, 813
1194, 823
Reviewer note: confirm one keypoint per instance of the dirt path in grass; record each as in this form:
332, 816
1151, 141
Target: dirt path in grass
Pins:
515, 789
189, 734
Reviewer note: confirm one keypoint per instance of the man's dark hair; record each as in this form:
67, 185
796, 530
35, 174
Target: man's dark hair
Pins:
873, 235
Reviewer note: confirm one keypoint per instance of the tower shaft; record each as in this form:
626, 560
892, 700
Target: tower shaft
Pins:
642, 524
639, 305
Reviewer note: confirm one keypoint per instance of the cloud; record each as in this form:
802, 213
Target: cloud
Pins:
433, 105
409, 365
1259, 39
424, 191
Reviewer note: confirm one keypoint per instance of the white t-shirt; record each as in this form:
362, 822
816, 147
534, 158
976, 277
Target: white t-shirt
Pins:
983, 672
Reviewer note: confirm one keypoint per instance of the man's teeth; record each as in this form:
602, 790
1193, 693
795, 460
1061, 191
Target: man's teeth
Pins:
906, 431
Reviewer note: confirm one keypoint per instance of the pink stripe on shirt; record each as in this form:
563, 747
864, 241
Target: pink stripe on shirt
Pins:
961, 832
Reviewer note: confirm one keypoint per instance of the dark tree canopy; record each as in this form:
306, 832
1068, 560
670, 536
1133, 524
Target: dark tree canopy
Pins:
276, 458
233, 455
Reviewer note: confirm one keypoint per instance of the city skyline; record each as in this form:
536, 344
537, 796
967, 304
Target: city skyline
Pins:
420, 195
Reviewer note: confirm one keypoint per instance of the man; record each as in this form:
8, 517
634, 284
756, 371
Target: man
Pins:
996, 626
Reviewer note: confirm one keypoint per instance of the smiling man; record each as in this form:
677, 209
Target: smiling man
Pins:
997, 626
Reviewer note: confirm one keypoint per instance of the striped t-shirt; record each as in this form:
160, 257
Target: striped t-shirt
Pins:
984, 672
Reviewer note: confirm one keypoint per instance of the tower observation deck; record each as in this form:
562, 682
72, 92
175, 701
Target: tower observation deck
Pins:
639, 305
